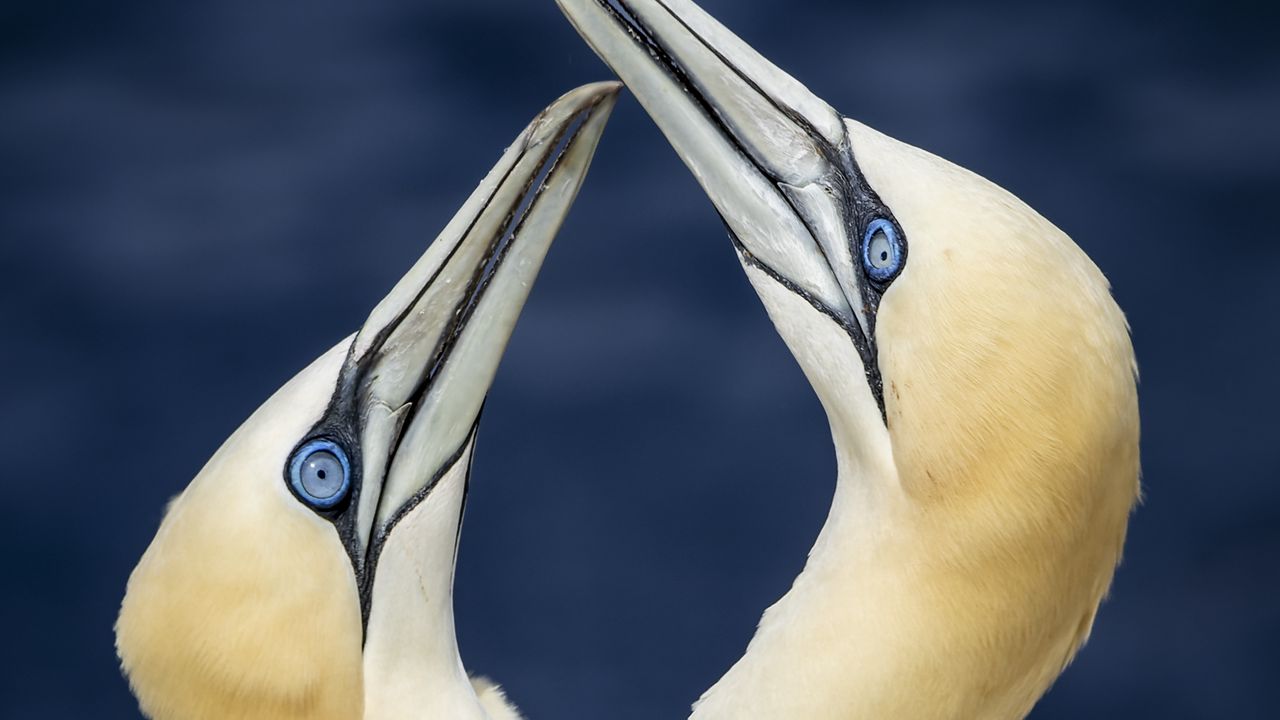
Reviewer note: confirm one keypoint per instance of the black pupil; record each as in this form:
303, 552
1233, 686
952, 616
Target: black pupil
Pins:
884, 255
321, 474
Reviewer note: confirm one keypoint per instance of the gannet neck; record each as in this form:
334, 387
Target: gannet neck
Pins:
962, 562
412, 666
878, 625
820, 651
959, 569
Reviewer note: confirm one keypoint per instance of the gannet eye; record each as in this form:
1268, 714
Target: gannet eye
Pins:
882, 251
320, 474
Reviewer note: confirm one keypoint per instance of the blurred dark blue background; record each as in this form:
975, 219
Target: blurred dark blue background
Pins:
198, 199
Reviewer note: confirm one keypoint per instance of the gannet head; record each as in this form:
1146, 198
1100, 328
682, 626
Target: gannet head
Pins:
978, 375
317, 545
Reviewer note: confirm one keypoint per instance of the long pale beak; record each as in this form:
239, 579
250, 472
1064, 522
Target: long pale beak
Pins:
774, 158
411, 390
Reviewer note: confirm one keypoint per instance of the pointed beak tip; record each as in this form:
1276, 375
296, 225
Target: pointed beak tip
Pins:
595, 97
605, 90
588, 107
608, 93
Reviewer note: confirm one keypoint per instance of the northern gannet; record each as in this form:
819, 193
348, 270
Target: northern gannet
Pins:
978, 378
307, 570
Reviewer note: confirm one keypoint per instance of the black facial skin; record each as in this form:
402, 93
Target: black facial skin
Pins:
858, 202
343, 420
343, 423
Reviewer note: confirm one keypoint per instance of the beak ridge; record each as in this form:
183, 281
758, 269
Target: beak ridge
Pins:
765, 149
784, 127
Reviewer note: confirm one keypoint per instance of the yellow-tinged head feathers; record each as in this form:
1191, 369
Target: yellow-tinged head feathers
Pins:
1012, 412
976, 524
252, 613
1003, 353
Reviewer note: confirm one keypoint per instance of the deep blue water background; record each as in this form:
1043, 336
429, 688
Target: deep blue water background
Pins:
198, 199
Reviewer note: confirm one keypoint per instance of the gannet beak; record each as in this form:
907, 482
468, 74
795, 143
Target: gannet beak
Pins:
775, 160
410, 391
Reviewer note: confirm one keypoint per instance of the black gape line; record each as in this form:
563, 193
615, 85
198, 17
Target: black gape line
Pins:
343, 419
380, 535
859, 203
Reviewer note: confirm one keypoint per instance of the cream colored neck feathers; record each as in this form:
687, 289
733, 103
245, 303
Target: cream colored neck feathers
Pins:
969, 542
245, 606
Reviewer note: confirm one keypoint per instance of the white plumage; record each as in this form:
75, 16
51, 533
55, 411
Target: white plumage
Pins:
977, 375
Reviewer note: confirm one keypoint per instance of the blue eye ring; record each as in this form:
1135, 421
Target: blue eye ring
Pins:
299, 459
889, 264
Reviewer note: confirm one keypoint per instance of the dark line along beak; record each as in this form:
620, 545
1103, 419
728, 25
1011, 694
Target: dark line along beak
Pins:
774, 158
415, 378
